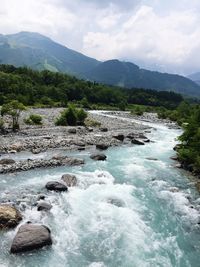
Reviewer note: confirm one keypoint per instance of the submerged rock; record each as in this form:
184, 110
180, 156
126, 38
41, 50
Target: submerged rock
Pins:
9, 216
56, 186
69, 180
116, 202
30, 237
153, 159
98, 157
43, 205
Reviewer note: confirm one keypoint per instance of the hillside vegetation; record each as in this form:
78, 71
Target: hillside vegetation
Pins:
56, 89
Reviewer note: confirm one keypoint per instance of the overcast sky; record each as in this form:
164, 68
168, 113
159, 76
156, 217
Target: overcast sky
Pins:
162, 34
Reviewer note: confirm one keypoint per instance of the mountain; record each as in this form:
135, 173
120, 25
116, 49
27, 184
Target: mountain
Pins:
39, 52
195, 77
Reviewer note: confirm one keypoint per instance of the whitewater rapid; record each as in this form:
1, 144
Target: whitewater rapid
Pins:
128, 211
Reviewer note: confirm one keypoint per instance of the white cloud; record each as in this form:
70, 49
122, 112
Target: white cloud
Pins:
157, 32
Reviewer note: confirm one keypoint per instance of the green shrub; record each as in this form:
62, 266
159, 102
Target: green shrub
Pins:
34, 119
71, 116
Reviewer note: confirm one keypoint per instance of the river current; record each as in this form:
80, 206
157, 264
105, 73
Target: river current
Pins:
129, 211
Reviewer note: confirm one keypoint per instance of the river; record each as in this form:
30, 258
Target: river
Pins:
129, 211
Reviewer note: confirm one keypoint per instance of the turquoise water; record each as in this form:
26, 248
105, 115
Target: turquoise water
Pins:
127, 211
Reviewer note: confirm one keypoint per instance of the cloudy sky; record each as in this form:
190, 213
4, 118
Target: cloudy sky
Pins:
157, 34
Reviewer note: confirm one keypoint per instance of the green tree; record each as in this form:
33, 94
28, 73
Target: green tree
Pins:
13, 109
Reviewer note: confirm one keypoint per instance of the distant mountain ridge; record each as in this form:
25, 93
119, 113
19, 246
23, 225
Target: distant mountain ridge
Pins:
39, 52
195, 77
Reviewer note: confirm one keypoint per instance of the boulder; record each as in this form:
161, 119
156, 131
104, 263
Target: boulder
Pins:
90, 129
16, 146
56, 186
131, 135
98, 157
72, 131
9, 216
7, 161
137, 142
103, 129
43, 205
119, 137
30, 237
174, 157
69, 180
102, 146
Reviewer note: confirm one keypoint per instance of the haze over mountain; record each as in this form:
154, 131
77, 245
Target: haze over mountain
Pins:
40, 52
195, 77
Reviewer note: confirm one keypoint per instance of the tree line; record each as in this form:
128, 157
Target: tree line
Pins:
32, 87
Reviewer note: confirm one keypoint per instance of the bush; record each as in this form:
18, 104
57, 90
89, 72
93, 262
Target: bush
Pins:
1, 124
34, 119
71, 116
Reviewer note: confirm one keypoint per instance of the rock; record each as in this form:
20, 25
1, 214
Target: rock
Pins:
81, 148
41, 197
69, 180
72, 131
12, 151
119, 137
16, 146
9, 216
102, 146
90, 129
56, 186
30, 237
137, 142
154, 159
98, 157
116, 202
131, 135
43, 205
36, 150
174, 158
178, 165
72, 161
103, 129
147, 140
142, 136
7, 161
174, 189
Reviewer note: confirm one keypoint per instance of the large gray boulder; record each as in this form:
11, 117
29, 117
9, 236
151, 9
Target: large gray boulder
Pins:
30, 237
98, 157
69, 180
56, 186
9, 216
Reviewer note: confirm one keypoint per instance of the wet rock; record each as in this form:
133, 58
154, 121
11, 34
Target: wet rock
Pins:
90, 129
9, 216
137, 142
72, 131
7, 161
56, 186
41, 197
131, 135
174, 189
36, 150
30, 237
174, 157
43, 205
147, 140
103, 129
98, 157
119, 137
116, 202
17, 146
178, 165
102, 146
153, 159
81, 148
69, 180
